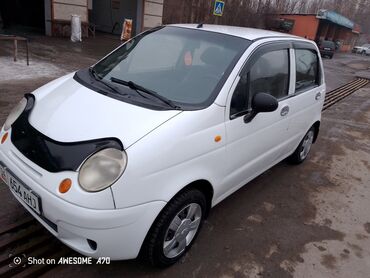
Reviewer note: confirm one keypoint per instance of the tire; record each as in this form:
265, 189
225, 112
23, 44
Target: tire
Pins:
168, 231
363, 52
302, 151
331, 56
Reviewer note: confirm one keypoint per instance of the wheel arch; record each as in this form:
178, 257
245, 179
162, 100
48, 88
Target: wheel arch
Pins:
203, 186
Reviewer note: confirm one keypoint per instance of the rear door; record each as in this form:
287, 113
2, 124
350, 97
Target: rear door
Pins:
307, 99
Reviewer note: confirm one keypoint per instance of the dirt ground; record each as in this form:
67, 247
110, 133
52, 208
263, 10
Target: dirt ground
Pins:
309, 220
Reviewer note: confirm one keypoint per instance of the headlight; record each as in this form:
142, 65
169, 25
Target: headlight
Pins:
102, 169
15, 113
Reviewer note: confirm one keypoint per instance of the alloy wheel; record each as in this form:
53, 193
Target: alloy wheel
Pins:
182, 230
306, 144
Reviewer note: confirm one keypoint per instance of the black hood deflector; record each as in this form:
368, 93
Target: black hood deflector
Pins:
49, 154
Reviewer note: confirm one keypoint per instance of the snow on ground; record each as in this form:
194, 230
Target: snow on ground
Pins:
10, 70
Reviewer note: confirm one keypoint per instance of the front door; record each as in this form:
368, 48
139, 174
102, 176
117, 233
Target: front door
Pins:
252, 147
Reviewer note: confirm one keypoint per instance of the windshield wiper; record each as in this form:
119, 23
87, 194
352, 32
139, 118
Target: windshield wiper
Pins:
94, 73
138, 88
99, 79
128, 84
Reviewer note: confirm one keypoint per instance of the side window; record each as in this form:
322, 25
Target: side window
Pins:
269, 74
307, 69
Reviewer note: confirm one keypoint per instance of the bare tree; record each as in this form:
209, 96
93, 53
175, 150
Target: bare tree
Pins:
254, 12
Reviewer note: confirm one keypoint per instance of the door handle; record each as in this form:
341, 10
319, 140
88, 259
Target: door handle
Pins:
284, 111
318, 96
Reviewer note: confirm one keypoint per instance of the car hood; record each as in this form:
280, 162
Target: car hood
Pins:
67, 111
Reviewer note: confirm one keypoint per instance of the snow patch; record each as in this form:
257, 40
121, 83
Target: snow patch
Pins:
10, 70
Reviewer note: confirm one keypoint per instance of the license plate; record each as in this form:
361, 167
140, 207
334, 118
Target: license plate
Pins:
326, 48
27, 196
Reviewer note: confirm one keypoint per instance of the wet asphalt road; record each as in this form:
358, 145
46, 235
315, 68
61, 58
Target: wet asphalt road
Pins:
304, 221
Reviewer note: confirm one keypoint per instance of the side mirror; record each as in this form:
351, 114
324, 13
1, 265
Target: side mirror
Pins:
261, 102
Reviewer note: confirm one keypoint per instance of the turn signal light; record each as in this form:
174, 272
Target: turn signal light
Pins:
5, 136
218, 138
65, 185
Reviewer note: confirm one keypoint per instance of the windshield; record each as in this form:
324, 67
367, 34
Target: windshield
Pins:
185, 66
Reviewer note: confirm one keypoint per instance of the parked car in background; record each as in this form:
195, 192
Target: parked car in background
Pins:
327, 48
128, 156
363, 50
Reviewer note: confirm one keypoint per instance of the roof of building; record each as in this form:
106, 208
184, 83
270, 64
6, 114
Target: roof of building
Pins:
331, 16
243, 32
335, 18
300, 14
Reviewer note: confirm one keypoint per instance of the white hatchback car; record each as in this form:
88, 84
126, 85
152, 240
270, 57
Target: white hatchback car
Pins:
363, 50
127, 157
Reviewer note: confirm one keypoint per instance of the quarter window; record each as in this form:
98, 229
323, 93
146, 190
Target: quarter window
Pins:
306, 69
269, 74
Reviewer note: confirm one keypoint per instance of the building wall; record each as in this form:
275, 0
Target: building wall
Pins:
153, 13
304, 25
64, 9
109, 15
334, 32
61, 12
310, 27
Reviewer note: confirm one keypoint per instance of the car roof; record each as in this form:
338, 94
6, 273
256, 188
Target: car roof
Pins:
243, 32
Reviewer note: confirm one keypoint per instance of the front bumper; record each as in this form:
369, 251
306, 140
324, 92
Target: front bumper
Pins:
117, 233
